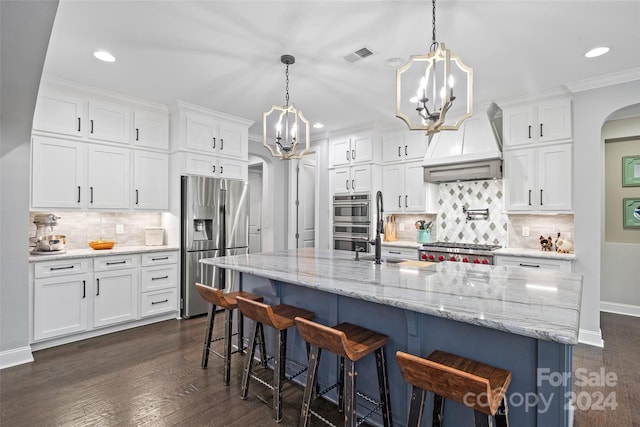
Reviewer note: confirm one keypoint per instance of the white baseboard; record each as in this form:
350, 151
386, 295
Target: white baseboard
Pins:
591, 338
15, 357
618, 308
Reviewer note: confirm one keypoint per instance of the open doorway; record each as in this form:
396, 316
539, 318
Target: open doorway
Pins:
303, 196
255, 208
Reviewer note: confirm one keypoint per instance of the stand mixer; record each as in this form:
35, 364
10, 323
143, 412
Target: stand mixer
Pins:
45, 240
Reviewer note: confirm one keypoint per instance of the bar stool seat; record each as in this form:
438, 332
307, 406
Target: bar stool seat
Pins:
281, 318
480, 386
350, 342
228, 302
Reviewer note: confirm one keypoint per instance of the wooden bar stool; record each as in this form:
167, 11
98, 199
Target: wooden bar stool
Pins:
281, 318
351, 343
227, 301
477, 385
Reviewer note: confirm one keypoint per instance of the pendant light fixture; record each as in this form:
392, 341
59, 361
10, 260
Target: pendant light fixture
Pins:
285, 128
434, 92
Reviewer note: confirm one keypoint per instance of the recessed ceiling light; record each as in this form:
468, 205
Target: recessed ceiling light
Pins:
103, 55
394, 62
596, 51
318, 125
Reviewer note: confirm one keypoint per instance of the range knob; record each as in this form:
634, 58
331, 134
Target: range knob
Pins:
441, 258
423, 256
484, 261
476, 261
452, 258
431, 257
465, 259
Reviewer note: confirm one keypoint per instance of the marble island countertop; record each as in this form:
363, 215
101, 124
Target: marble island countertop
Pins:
91, 253
539, 304
525, 252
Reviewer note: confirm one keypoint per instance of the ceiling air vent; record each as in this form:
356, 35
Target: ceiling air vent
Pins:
358, 55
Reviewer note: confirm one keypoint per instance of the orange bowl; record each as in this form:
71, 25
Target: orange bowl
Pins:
101, 244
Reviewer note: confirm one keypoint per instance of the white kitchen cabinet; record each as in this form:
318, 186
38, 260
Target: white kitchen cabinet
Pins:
545, 121
150, 180
116, 290
213, 136
539, 179
60, 295
109, 121
233, 141
352, 179
108, 177
159, 283
541, 263
404, 189
399, 252
58, 177
216, 167
352, 149
151, 129
402, 146
59, 112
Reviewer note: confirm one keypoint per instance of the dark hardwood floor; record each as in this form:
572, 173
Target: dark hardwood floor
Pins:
151, 376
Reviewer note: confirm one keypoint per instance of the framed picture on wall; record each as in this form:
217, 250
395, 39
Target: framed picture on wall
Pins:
631, 213
631, 171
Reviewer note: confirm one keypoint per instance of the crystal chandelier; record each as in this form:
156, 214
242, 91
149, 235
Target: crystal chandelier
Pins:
285, 127
425, 88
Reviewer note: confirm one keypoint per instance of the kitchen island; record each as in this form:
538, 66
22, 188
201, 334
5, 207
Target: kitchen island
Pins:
517, 319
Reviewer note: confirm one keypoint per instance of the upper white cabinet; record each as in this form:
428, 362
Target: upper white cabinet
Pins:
403, 145
108, 177
109, 121
151, 129
195, 164
544, 121
352, 179
539, 179
150, 180
404, 189
352, 149
59, 112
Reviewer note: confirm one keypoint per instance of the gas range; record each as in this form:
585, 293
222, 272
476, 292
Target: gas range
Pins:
460, 252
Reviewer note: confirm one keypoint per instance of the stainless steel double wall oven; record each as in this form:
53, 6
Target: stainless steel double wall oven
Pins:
352, 221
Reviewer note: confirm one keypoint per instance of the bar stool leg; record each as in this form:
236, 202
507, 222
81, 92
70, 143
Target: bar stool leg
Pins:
314, 358
207, 336
501, 416
438, 410
249, 362
241, 347
482, 419
341, 386
383, 387
350, 417
417, 406
228, 326
278, 375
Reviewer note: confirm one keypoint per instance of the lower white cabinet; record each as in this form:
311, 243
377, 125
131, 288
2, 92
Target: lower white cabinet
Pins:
541, 263
399, 252
78, 297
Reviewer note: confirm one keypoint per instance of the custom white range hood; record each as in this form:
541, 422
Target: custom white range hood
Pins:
472, 152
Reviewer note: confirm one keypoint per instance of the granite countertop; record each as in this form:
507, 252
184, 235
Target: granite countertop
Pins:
91, 253
541, 304
402, 244
534, 253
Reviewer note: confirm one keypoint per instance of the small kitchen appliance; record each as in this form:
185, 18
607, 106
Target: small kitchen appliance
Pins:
45, 241
460, 252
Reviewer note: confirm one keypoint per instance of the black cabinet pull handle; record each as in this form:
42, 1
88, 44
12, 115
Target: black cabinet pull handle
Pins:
529, 265
66, 267
529, 197
137, 134
405, 150
159, 278
91, 125
529, 131
214, 169
159, 302
78, 124
221, 144
159, 258
116, 262
84, 289
97, 287
137, 197
346, 183
214, 142
541, 197
78, 194
353, 154
348, 155
353, 184
398, 151
395, 252
91, 192
541, 130
221, 169
406, 201
399, 201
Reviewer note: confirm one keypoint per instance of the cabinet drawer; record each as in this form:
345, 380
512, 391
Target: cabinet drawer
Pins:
158, 302
115, 262
157, 258
394, 252
535, 263
61, 268
154, 278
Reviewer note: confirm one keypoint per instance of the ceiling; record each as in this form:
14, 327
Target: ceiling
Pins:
225, 55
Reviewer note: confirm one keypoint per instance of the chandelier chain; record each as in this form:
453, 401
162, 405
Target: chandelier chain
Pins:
287, 86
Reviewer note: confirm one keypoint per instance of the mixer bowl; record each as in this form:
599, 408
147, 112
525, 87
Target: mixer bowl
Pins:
50, 243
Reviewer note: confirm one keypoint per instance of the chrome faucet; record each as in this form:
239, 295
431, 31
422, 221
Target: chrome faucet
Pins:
379, 227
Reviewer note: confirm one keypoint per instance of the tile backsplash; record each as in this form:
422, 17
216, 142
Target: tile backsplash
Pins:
539, 225
82, 227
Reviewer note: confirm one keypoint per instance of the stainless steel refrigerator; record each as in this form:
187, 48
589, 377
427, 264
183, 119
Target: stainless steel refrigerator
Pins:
215, 222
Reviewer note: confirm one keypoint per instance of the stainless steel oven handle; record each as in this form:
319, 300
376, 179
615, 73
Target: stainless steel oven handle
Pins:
350, 203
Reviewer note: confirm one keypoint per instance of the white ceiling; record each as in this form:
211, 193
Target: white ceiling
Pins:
225, 55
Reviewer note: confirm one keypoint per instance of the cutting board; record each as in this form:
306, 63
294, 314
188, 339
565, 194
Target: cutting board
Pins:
422, 264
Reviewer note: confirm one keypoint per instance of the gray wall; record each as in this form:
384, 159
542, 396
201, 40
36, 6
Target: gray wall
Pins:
25, 31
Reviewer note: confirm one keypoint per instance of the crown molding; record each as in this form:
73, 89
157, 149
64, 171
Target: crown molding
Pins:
606, 80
